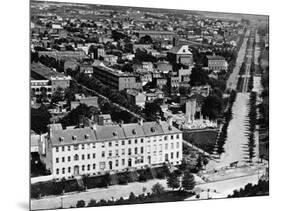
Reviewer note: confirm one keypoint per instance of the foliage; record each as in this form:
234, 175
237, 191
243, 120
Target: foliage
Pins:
260, 189
152, 110
252, 126
188, 182
40, 118
157, 189
80, 203
77, 115
227, 117
198, 77
166, 196
212, 107
144, 56
173, 181
145, 40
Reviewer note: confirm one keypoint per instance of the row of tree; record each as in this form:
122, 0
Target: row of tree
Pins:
252, 126
119, 97
186, 185
227, 117
260, 189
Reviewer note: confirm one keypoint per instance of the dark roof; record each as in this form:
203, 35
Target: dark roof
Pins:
40, 71
100, 133
215, 58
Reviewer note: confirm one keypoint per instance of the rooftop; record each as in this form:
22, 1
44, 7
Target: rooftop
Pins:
112, 71
101, 133
43, 72
215, 58
180, 49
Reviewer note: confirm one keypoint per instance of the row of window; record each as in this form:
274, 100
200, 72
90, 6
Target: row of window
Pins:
76, 146
139, 160
110, 153
69, 169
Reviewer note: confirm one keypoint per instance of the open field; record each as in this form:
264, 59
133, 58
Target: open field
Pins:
204, 139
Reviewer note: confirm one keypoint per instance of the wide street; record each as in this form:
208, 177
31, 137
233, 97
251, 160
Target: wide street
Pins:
221, 189
236, 143
233, 78
223, 183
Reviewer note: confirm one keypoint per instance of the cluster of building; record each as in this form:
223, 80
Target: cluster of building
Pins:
148, 55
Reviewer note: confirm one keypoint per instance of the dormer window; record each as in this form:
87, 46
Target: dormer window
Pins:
61, 139
170, 127
134, 131
152, 129
86, 136
74, 138
114, 134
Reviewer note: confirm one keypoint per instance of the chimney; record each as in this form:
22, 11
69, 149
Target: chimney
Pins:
81, 121
170, 120
158, 119
121, 123
140, 121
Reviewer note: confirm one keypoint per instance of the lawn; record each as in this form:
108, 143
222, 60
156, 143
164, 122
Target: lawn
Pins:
204, 139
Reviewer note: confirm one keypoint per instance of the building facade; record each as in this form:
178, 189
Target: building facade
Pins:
100, 149
116, 79
45, 80
180, 55
217, 63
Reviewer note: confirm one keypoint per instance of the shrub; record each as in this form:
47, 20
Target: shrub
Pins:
80, 203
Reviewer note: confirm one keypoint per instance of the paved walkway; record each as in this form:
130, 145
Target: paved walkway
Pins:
115, 191
221, 189
236, 144
233, 78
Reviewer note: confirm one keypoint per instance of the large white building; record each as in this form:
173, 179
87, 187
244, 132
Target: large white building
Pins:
110, 148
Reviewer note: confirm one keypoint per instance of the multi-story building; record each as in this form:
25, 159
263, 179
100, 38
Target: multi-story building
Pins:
180, 55
136, 98
156, 34
110, 148
44, 79
217, 63
116, 79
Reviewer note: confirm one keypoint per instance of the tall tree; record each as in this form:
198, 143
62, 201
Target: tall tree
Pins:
212, 107
188, 182
173, 181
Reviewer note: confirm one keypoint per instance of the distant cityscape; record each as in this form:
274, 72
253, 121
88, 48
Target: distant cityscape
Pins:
137, 105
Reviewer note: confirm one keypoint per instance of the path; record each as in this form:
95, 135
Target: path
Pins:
223, 188
236, 143
233, 78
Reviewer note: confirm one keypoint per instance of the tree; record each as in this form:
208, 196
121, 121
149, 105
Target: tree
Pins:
152, 110
127, 68
145, 40
92, 203
78, 114
184, 91
173, 181
40, 118
80, 203
198, 77
58, 95
212, 107
199, 163
157, 189
188, 182
132, 196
